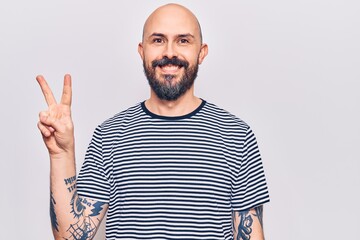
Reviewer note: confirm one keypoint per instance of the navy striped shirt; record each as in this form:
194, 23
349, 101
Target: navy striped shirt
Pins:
173, 177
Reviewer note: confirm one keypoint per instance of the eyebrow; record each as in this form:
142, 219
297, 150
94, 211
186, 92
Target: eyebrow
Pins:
179, 35
185, 35
157, 35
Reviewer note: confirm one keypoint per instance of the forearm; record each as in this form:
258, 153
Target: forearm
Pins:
72, 217
63, 191
248, 224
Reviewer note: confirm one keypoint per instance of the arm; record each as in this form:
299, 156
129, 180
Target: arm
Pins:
72, 217
248, 224
77, 218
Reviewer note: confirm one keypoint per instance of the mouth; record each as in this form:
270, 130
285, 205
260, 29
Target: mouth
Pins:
170, 68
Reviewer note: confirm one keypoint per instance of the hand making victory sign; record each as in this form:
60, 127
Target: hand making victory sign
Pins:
55, 124
57, 130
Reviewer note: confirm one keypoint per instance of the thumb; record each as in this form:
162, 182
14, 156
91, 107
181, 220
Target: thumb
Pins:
52, 124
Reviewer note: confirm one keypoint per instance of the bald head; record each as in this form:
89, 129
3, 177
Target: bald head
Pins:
170, 18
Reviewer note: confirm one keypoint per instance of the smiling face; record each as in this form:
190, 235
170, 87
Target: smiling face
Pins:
171, 51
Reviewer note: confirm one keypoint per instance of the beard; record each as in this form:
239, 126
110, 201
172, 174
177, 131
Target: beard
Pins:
168, 89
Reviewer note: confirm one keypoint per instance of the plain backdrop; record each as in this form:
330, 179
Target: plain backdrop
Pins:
290, 69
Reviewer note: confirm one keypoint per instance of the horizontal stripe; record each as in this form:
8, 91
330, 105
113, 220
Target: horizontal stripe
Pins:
173, 178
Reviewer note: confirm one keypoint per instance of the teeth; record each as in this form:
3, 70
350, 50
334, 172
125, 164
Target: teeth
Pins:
170, 67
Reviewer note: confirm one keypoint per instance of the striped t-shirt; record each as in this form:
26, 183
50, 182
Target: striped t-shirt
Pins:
173, 177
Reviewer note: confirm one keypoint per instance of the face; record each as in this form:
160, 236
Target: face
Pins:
171, 52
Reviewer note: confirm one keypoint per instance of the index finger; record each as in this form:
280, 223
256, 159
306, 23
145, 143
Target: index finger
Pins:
49, 96
67, 91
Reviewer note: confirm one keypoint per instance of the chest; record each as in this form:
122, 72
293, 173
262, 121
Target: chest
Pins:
167, 162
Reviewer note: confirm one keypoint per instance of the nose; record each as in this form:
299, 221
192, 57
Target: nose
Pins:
170, 50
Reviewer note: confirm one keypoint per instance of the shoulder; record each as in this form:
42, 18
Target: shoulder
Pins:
212, 112
126, 116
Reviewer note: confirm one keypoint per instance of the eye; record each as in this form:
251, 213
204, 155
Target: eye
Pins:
183, 41
157, 40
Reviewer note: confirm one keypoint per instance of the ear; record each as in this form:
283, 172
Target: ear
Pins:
141, 50
203, 52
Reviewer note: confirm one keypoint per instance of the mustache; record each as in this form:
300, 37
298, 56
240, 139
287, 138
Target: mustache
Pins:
170, 61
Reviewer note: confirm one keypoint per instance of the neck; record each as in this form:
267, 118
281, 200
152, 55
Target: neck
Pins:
179, 107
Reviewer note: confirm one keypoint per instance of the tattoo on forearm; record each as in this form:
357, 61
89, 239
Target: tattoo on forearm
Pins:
244, 229
84, 212
70, 182
53, 217
243, 222
98, 206
259, 214
77, 206
82, 230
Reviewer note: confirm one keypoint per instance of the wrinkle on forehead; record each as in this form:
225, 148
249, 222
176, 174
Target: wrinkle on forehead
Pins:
171, 11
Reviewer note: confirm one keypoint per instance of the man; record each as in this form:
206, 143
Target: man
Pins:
171, 167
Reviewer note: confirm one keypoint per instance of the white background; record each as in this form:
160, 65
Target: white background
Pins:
288, 68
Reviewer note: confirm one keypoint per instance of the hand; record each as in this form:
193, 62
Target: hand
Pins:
55, 124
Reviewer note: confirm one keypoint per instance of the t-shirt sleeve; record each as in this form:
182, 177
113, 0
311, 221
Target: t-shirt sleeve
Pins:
250, 188
92, 181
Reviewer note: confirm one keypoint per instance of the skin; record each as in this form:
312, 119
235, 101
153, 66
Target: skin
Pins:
248, 224
171, 31
166, 35
68, 211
